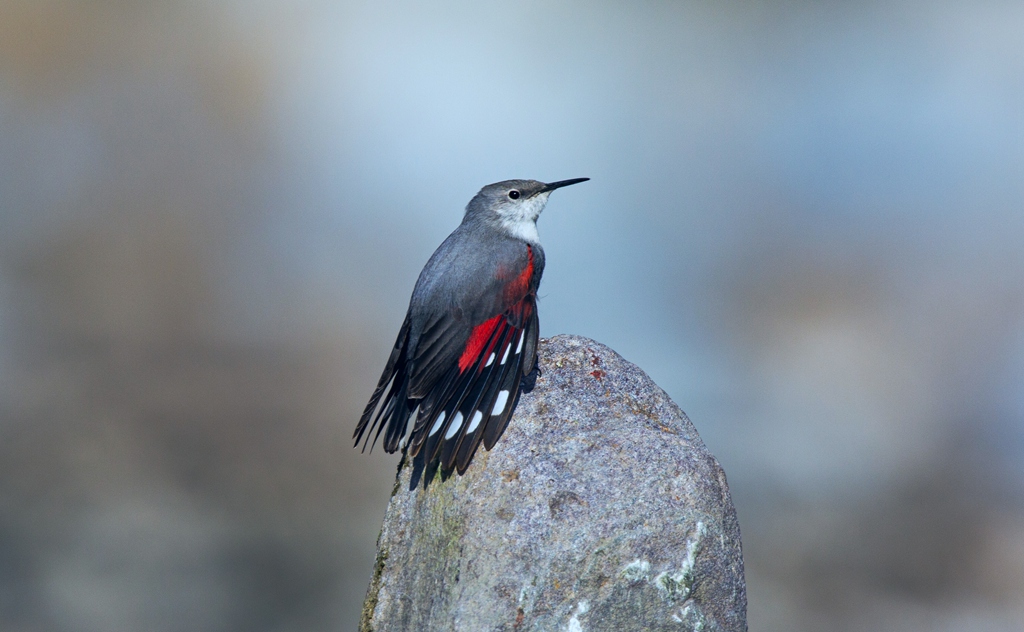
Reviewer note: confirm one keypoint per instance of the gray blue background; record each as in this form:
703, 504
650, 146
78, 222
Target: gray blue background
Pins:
805, 222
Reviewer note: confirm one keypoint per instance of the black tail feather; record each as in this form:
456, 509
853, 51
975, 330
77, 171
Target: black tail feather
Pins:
393, 371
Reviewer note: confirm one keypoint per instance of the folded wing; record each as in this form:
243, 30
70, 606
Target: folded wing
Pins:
475, 400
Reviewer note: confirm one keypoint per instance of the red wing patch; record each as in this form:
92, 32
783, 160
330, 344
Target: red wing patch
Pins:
475, 346
518, 287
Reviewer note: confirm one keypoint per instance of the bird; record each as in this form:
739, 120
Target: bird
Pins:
470, 335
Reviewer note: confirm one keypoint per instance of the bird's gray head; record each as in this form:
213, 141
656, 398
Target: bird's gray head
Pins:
515, 205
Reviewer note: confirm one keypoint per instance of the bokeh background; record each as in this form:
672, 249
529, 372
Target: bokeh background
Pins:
805, 221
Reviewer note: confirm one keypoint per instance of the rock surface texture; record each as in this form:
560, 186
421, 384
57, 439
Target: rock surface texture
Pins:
599, 509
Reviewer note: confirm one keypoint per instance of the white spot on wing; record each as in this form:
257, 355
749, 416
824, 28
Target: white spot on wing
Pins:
499, 404
437, 424
454, 428
475, 421
490, 359
519, 349
505, 357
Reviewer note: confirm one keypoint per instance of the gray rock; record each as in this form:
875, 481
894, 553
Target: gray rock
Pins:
599, 509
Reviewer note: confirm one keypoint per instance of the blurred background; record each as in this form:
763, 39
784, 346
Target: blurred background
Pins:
805, 222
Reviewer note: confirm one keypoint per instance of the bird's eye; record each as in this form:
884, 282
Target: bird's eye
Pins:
513, 194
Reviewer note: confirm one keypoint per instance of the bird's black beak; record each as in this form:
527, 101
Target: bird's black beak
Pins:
561, 183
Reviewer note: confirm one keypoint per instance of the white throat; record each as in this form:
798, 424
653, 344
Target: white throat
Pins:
521, 219
525, 229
